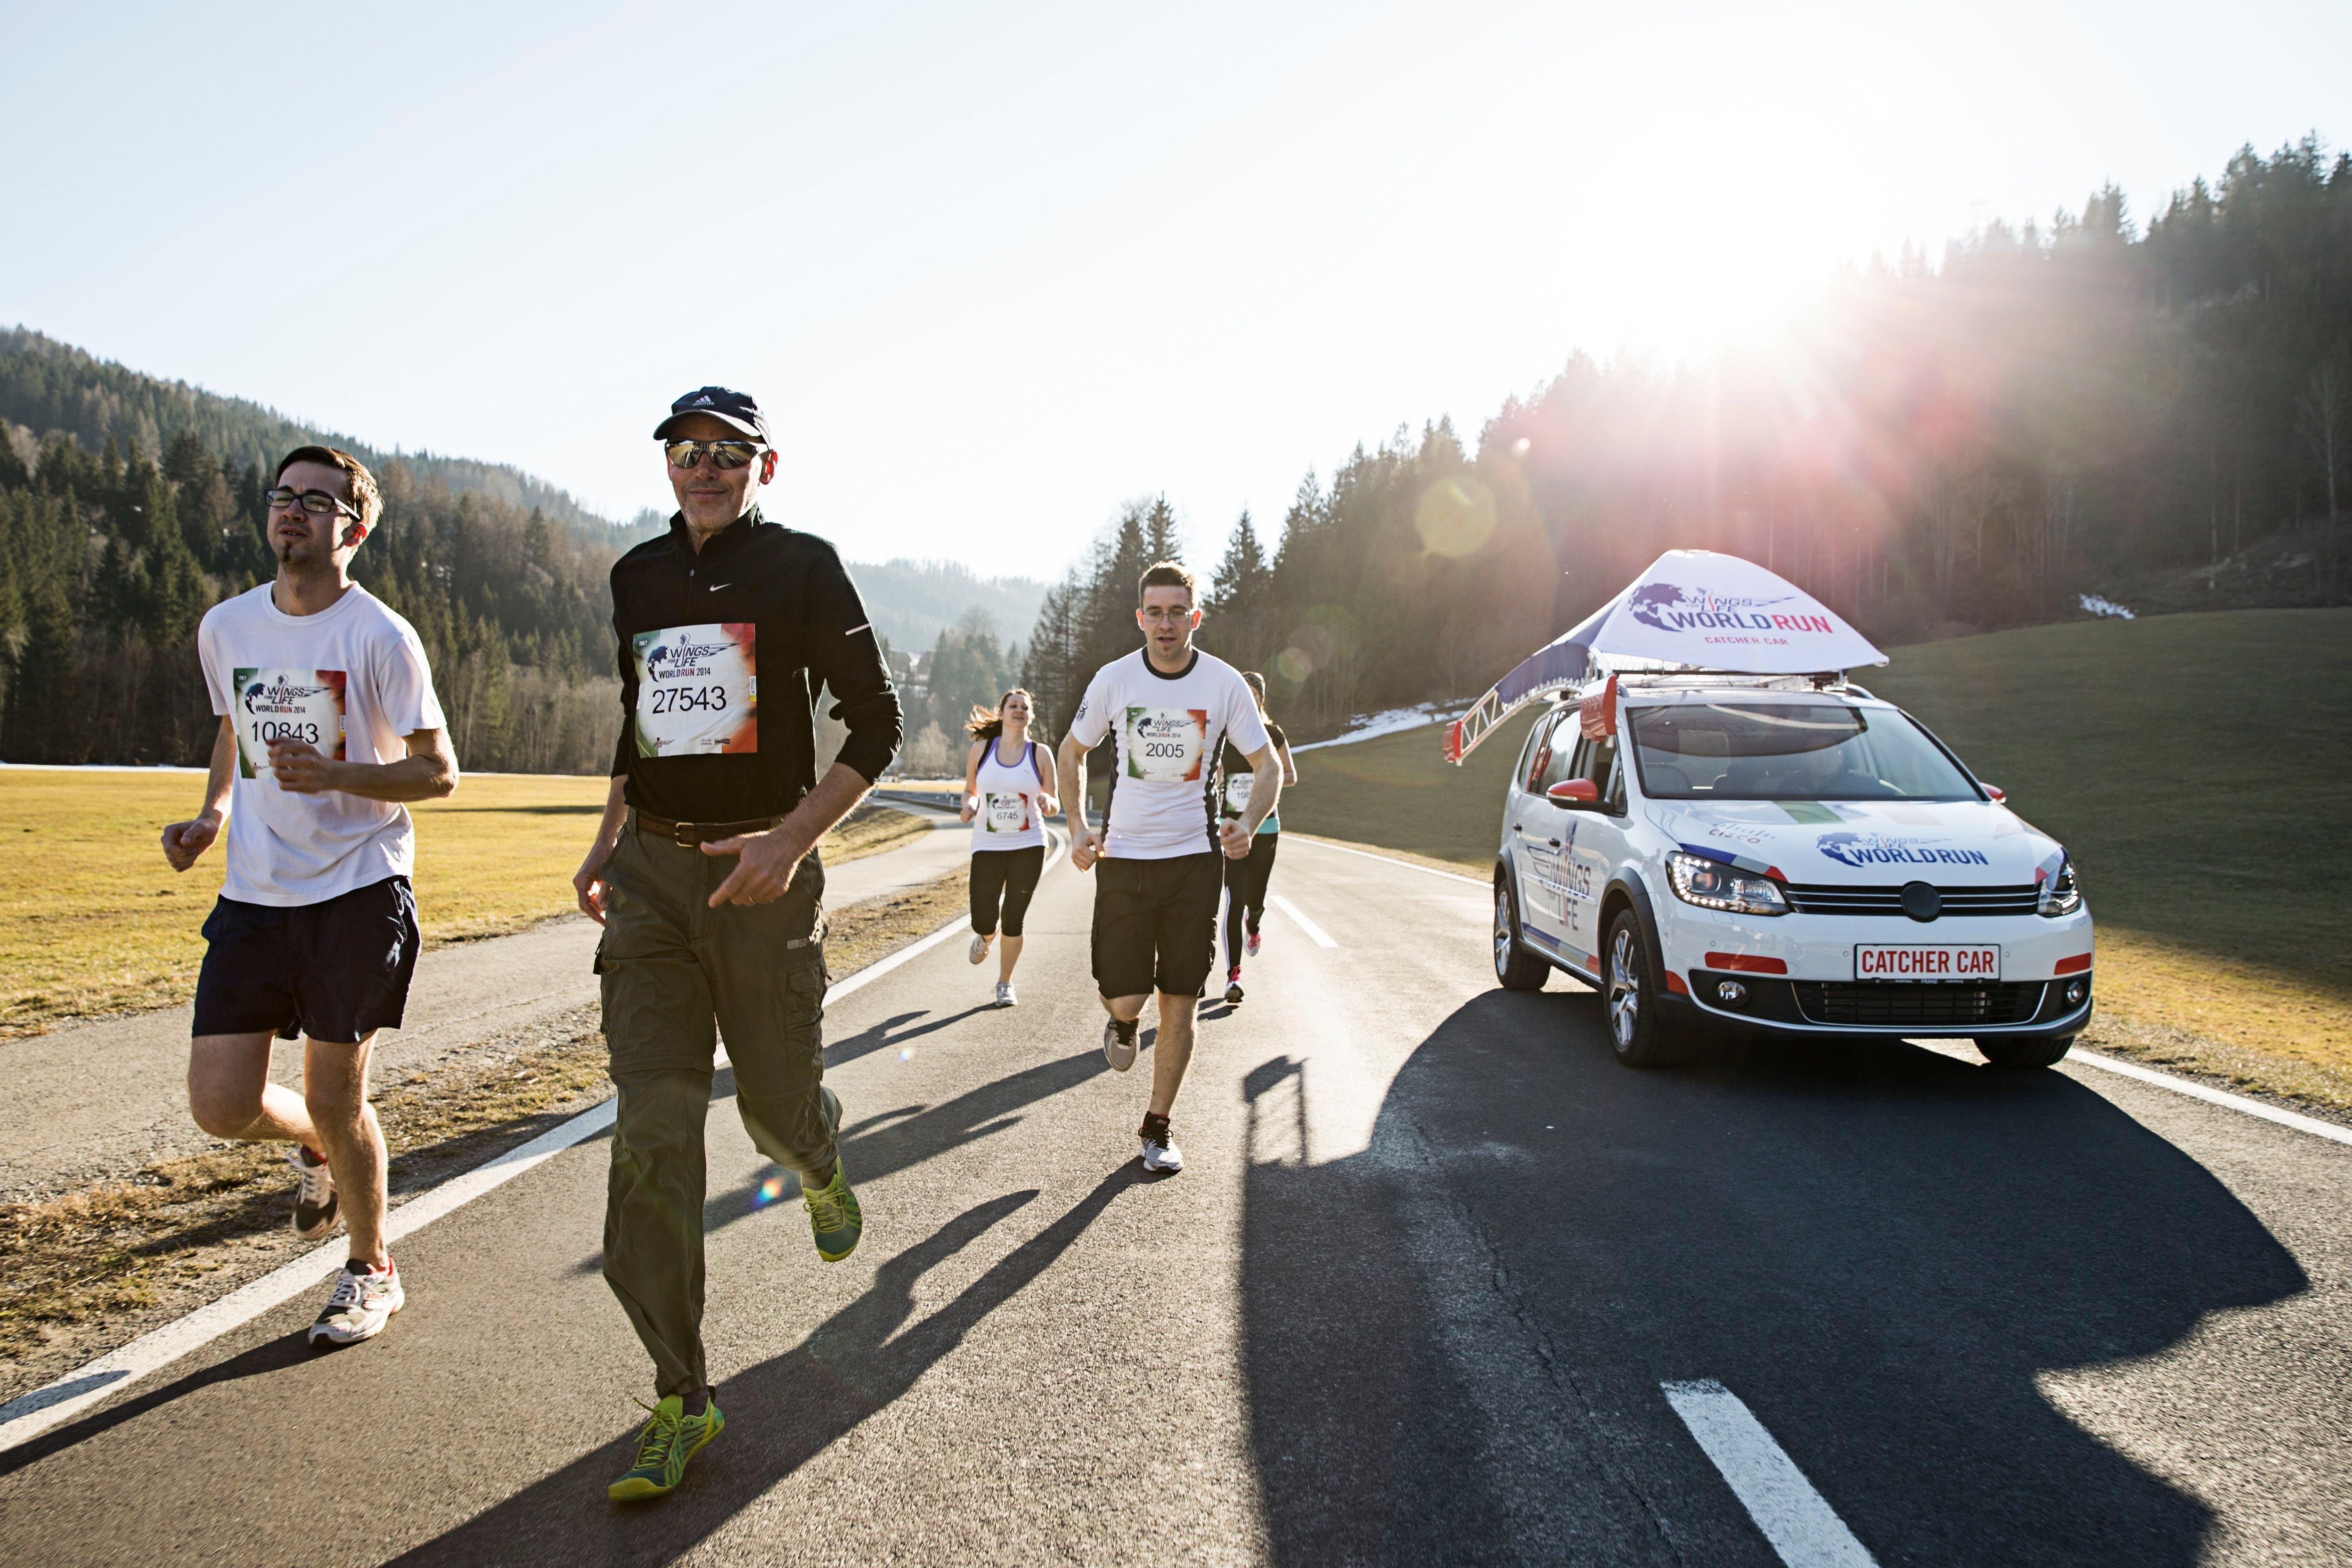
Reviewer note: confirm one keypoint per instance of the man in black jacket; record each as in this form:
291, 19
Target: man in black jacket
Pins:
704, 877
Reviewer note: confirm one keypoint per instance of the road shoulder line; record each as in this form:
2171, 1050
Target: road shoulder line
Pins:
1391, 860
28, 1416
2223, 1097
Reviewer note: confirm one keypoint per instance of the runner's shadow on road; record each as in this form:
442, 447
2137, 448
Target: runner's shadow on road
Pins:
779, 1414
880, 1036
280, 1354
1884, 1251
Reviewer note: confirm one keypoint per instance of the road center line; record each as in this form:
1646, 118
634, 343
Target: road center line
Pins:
1319, 937
28, 1416
1795, 1518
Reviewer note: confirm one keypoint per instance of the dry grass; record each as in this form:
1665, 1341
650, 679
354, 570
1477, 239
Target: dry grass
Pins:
90, 1269
92, 921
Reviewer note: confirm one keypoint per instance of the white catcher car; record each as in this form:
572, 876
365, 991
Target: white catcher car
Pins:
1784, 854
1725, 831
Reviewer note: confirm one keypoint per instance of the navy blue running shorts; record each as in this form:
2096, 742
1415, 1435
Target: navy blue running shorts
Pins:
337, 971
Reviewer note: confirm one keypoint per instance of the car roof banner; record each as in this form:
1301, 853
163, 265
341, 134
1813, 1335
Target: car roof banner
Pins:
1695, 609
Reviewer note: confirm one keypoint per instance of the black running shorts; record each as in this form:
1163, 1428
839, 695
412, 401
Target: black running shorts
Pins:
336, 971
1156, 923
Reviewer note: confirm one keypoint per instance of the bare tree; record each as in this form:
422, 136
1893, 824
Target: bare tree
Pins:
2321, 415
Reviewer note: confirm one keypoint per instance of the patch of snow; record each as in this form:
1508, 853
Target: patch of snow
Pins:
2100, 605
1369, 726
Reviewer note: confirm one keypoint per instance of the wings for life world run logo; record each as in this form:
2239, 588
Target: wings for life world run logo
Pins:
1879, 849
1671, 609
682, 661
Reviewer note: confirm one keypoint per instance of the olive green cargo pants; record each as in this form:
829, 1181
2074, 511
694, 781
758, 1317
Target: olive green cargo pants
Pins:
675, 974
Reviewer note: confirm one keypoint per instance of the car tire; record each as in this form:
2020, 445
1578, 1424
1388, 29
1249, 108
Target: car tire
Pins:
1516, 968
1630, 994
2025, 1051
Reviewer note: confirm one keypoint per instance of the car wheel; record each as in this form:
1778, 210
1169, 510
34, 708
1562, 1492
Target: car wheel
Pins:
1515, 966
1635, 1031
2027, 1052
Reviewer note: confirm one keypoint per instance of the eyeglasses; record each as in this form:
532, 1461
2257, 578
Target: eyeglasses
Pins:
1157, 617
318, 503
723, 454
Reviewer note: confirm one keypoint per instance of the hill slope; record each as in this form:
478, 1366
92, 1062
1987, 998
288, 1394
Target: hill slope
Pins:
49, 387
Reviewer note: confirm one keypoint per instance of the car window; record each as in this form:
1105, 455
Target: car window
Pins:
1542, 760
1528, 767
1568, 752
1599, 763
1788, 751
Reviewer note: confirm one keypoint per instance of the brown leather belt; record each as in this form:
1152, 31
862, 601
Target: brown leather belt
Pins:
687, 835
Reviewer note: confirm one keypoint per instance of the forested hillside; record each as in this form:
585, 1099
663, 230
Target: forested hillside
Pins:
1955, 445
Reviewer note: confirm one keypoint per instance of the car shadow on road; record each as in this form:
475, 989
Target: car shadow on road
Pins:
779, 1414
1878, 1248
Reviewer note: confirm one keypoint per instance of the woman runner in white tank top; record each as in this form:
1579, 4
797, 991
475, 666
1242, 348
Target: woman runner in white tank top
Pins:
1008, 793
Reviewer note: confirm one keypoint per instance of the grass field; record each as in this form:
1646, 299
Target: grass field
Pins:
2198, 768
93, 921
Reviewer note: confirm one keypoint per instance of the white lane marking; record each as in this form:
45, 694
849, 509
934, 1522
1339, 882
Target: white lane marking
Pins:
1798, 1522
1391, 860
2196, 1090
1321, 938
28, 1416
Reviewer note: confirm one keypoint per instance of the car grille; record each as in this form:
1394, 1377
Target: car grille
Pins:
1901, 1005
1831, 898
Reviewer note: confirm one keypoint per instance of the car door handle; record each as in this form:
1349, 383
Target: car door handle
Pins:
1553, 842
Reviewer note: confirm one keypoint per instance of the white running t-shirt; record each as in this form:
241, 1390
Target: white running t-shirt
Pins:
350, 680
1169, 729
1011, 801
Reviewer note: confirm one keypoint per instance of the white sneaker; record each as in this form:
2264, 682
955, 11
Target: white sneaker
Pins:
1159, 1151
314, 1199
362, 1303
979, 948
1119, 1043
1004, 998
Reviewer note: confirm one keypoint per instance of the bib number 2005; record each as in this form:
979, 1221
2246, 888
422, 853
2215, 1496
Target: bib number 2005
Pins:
697, 690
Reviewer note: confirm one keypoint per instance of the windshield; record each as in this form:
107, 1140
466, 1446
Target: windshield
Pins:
1789, 751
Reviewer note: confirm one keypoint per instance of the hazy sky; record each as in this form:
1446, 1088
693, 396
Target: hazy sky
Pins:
992, 269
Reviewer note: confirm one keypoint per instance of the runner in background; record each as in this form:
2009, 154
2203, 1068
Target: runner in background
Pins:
1245, 878
1155, 925
1008, 793
328, 723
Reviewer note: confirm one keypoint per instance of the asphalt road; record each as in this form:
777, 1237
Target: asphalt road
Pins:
100, 1098
1414, 1298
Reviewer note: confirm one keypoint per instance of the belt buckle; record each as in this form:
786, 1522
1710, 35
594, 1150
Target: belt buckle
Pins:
681, 834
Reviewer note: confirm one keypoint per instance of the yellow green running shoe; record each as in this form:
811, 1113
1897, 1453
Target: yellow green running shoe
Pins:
670, 1438
833, 1218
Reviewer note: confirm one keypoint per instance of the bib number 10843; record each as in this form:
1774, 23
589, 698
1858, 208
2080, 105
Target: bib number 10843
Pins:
304, 705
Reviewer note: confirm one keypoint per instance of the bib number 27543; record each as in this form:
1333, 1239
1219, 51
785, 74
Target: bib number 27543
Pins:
305, 705
697, 690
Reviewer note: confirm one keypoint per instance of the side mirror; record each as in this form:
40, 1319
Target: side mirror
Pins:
1572, 792
1999, 795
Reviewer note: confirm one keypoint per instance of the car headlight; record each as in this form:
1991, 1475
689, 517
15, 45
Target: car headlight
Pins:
2062, 894
1712, 885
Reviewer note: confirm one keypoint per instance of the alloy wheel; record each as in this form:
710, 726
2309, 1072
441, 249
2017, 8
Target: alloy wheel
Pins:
1624, 988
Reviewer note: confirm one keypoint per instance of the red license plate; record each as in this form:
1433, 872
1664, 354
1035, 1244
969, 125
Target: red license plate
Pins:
1891, 962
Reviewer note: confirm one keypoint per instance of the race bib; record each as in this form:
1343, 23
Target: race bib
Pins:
1237, 792
304, 705
1165, 745
698, 690
1006, 813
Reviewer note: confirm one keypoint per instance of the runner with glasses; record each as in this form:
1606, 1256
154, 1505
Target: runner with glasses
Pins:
328, 724
1155, 924
1008, 794
704, 877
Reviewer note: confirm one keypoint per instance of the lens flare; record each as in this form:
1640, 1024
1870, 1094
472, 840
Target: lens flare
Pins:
1455, 516
906, 1053
769, 1191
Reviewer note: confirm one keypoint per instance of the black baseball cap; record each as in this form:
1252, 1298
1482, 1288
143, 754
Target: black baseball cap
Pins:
738, 410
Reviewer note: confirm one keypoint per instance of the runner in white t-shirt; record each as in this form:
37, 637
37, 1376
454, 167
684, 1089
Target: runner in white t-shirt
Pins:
1171, 707
328, 724
1008, 794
